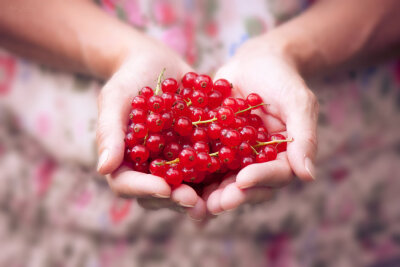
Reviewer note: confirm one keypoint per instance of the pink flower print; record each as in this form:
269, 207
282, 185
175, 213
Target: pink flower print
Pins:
7, 73
164, 13
211, 28
134, 15
119, 210
176, 39
43, 176
109, 6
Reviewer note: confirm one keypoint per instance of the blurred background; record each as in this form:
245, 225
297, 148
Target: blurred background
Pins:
56, 211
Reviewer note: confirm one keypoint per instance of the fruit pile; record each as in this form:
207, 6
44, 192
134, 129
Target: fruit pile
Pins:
194, 132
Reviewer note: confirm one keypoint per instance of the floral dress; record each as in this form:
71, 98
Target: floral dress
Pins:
56, 211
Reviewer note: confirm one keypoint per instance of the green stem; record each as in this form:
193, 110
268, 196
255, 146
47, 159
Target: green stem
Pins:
273, 142
158, 86
207, 121
214, 154
251, 107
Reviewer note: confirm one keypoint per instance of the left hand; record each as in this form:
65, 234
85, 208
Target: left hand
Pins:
261, 66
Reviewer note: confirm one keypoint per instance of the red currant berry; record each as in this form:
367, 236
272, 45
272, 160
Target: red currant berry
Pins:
173, 177
216, 145
139, 101
262, 137
270, 152
169, 85
199, 134
130, 140
231, 138
156, 104
179, 108
158, 167
199, 99
249, 134
254, 120
171, 151
246, 161
212, 114
141, 167
234, 164
203, 162
139, 130
279, 147
244, 149
155, 142
197, 114
239, 122
230, 102
224, 87
188, 79
183, 126
225, 116
186, 93
262, 129
155, 122
214, 99
242, 105
253, 99
168, 100
168, 119
139, 153
204, 83
147, 92
170, 136
201, 146
214, 130
215, 164
188, 157
138, 115
190, 175
226, 154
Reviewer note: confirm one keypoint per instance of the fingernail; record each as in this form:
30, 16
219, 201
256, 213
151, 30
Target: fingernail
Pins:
160, 196
218, 213
309, 165
185, 205
102, 159
193, 219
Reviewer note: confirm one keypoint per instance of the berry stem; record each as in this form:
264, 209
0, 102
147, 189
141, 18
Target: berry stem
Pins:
273, 142
207, 121
214, 154
249, 108
254, 150
158, 86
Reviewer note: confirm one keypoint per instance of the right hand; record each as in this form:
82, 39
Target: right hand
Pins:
138, 69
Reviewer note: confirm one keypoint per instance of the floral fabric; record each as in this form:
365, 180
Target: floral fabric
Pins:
55, 210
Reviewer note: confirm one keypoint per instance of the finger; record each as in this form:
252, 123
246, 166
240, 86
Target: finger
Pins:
184, 196
301, 124
113, 108
198, 212
214, 199
276, 173
155, 203
127, 183
232, 196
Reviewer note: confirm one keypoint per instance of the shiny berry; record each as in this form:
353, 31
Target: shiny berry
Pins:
244, 149
139, 101
239, 122
201, 146
188, 157
226, 154
179, 108
224, 87
214, 130
214, 99
139, 130
253, 99
171, 151
155, 103
279, 147
168, 119
147, 92
203, 162
139, 153
141, 167
186, 93
173, 177
169, 85
225, 116
212, 114
130, 140
246, 161
254, 120
261, 157
262, 137
155, 122
204, 83
230, 102
197, 114
234, 164
158, 167
242, 105
155, 142
270, 152
138, 115
216, 145
231, 138
170, 136
215, 164
199, 98
168, 100
188, 79
249, 134
183, 126
199, 134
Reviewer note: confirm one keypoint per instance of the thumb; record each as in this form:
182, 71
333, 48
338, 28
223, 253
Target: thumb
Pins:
111, 126
301, 124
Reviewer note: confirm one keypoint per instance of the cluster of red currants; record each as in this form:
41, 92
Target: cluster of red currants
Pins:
195, 132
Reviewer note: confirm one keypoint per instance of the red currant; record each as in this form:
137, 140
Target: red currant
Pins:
168, 119
139, 130
156, 104
230, 102
130, 140
183, 126
171, 151
203, 162
279, 147
253, 99
188, 157
242, 105
226, 154
199, 134
158, 167
154, 122
186, 93
199, 99
197, 114
224, 87
170, 136
168, 100
244, 149
147, 92
254, 120
141, 167
225, 116
138, 115
204, 83
188, 79
214, 130
173, 177
139, 153
262, 137
155, 142
249, 134
214, 99
179, 108
215, 164
169, 85
139, 101
247, 161
270, 152
201, 146
231, 138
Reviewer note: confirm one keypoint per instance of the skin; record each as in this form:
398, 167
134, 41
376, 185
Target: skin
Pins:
330, 36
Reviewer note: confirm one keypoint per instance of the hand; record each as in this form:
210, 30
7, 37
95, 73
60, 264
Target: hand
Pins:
140, 69
261, 67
